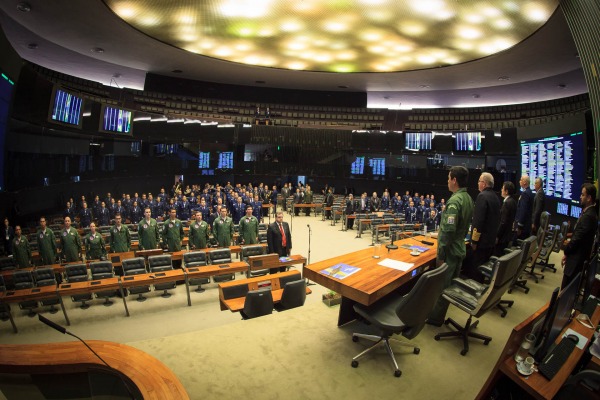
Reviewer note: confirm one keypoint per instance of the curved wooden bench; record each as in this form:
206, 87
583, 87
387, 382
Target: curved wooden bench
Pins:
152, 378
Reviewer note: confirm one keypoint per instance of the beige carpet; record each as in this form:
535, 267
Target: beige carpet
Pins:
297, 354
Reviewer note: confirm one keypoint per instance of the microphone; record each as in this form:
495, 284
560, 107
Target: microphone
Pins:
308, 225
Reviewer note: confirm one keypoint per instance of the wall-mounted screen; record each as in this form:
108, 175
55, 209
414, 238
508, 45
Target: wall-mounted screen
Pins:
559, 161
225, 160
358, 166
416, 141
377, 165
562, 208
575, 211
204, 159
116, 120
66, 108
467, 141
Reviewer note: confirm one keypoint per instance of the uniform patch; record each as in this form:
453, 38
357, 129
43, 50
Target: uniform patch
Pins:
451, 219
170, 225
196, 226
145, 226
41, 235
64, 233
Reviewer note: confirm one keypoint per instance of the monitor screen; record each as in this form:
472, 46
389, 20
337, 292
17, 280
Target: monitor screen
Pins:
416, 141
136, 148
66, 108
377, 165
467, 141
116, 120
358, 166
575, 211
559, 161
562, 208
204, 159
225, 160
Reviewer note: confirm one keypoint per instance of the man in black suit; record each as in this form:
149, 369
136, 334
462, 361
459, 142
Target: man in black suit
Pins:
578, 249
279, 239
8, 234
524, 208
350, 208
538, 204
507, 217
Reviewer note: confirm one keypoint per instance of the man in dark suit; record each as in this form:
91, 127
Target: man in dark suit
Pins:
524, 208
578, 249
538, 204
350, 208
8, 234
507, 218
279, 239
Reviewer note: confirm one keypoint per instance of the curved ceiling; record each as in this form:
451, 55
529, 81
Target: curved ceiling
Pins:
88, 40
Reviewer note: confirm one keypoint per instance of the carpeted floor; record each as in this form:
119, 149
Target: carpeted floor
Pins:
296, 354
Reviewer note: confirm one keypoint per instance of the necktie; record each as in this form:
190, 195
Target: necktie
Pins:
283, 238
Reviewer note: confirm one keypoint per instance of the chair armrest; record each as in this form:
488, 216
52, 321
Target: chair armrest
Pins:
471, 286
455, 294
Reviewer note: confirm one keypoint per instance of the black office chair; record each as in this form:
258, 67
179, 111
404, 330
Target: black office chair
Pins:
7, 263
136, 266
294, 295
158, 264
257, 303
476, 299
196, 259
5, 314
221, 256
583, 385
549, 244
528, 246
404, 315
562, 235
46, 277
541, 237
78, 273
24, 280
253, 250
262, 237
103, 270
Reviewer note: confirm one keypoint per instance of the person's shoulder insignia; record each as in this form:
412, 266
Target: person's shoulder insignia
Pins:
450, 220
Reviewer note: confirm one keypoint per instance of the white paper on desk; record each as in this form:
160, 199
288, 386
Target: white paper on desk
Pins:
395, 264
582, 339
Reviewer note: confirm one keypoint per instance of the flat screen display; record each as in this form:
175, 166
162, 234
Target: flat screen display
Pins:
66, 108
416, 141
204, 159
377, 165
116, 120
225, 160
562, 208
358, 166
467, 141
559, 161
575, 211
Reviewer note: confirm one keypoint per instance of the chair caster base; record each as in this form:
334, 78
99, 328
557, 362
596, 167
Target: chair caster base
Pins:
355, 339
165, 295
84, 306
464, 352
107, 303
141, 299
354, 364
397, 373
200, 290
416, 350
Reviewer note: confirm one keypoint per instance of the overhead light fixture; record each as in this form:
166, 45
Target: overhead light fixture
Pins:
158, 119
504, 78
177, 71
142, 118
476, 96
32, 46
562, 85
191, 121
205, 123
424, 86
174, 120
117, 75
24, 7
98, 50
226, 126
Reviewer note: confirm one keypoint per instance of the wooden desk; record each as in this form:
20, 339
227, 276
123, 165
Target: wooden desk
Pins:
373, 281
268, 261
207, 271
33, 294
536, 385
235, 304
236, 249
152, 278
99, 285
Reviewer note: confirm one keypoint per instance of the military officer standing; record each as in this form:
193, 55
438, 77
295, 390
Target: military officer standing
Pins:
70, 242
199, 232
223, 229
410, 213
257, 207
46, 243
85, 216
451, 240
148, 232
120, 237
238, 210
249, 227
103, 215
94, 245
173, 232
21, 250
308, 199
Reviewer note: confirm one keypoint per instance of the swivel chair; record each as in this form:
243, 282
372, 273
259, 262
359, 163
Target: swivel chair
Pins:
136, 266
404, 315
5, 314
221, 256
46, 277
549, 244
78, 273
541, 237
294, 295
257, 303
24, 280
196, 259
103, 270
159, 264
253, 250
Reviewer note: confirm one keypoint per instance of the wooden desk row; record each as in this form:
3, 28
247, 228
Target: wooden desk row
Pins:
232, 294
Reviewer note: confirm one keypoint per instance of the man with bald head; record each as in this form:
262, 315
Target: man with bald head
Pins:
524, 209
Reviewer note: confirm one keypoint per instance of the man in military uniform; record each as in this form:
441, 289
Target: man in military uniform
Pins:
410, 213
249, 227
308, 199
238, 210
135, 214
94, 245
486, 220
451, 239
298, 199
120, 237
199, 232
70, 242
85, 216
329, 203
184, 209
103, 215
223, 229
257, 207
21, 250
173, 232
46, 243
148, 232
285, 193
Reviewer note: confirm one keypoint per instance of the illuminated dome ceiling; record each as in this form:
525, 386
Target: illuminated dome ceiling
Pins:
339, 35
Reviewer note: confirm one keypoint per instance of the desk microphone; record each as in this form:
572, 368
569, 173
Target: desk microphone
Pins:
64, 330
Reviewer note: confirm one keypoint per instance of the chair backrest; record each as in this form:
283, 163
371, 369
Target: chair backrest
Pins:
294, 294
262, 227
102, 269
44, 277
414, 308
262, 237
564, 230
253, 250
134, 266
76, 273
528, 247
160, 263
220, 256
194, 259
7, 263
258, 303
544, 220
504, 270
23, 280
